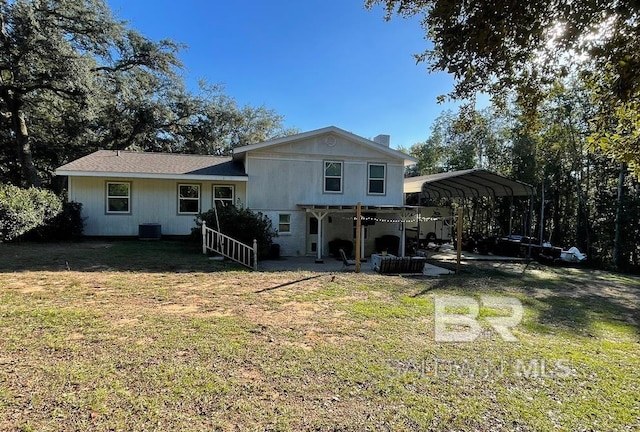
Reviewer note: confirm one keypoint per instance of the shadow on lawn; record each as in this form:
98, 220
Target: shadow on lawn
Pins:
580, 314
577, 302
285, 284
98, 256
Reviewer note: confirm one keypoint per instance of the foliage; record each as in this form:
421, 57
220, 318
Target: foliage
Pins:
75, 79
66, 225
22, 210
580, 186
500, 46
55, 53
464, 140
241, 224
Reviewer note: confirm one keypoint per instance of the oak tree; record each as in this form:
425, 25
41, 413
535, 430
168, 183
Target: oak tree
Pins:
501, 46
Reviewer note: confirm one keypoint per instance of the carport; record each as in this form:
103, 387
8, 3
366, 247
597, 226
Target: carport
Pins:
471, 183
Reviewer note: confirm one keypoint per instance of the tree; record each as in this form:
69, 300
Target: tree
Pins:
501, 46
590, 201
463, 140
73, 79
60, 49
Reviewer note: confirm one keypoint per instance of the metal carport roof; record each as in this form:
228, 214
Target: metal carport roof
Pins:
467, 184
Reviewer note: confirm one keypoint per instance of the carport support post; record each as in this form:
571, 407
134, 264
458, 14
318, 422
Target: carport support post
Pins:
531, 224
358, 235
459, 245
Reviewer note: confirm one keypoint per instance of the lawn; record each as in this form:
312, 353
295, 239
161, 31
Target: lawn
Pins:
134, 336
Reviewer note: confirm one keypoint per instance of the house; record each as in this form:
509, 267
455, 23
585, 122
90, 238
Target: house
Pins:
308, 184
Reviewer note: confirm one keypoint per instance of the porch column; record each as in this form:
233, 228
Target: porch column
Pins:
404, 216
319, 215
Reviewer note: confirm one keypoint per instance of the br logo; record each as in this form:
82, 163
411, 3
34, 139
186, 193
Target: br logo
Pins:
456, 317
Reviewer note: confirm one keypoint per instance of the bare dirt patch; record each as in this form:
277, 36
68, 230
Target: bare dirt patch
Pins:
204, 349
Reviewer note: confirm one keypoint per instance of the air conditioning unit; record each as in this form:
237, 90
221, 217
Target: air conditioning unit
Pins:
149, 231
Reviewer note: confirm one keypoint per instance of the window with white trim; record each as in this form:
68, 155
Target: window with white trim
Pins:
376, 180
333, 176
284, 223
188, 198
223, 195
118, 197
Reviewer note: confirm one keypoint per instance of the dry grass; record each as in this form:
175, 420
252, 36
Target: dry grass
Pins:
153, 336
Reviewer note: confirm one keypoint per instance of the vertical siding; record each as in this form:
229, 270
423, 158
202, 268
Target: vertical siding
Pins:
284, 176
279, 179
281, 184
152, 201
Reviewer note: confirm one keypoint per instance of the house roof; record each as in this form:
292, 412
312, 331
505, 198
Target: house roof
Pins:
466, 183
330, 129
128, 164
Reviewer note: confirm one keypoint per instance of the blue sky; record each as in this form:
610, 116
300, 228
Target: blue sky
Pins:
316, 62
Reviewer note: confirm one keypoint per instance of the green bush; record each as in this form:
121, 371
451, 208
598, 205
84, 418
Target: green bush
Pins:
67, 225
22, 210
241, 224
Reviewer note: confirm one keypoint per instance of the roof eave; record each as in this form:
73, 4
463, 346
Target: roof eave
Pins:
159, 176
408, 160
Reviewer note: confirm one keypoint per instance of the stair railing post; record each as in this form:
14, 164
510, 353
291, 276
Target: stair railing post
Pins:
255, 254
204, 237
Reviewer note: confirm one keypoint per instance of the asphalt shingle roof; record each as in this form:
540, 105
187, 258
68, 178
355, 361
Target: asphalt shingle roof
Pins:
109, 161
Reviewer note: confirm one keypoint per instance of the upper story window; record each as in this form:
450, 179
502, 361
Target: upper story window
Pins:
223, 195
118, 197
377, 176
333, 176
188, 198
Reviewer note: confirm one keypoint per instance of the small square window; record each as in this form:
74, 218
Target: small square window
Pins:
284, 223
223, 196
188, 199
118, 197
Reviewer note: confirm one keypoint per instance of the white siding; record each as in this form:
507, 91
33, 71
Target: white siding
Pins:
283, 176
279, 179
152, 201
286, 175
293, 243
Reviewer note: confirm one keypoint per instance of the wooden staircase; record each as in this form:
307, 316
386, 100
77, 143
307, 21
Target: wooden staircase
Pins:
230, 248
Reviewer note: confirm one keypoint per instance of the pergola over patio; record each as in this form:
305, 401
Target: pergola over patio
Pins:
320, 211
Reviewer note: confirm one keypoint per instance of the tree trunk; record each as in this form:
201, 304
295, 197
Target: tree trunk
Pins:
617, 253
23, 146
